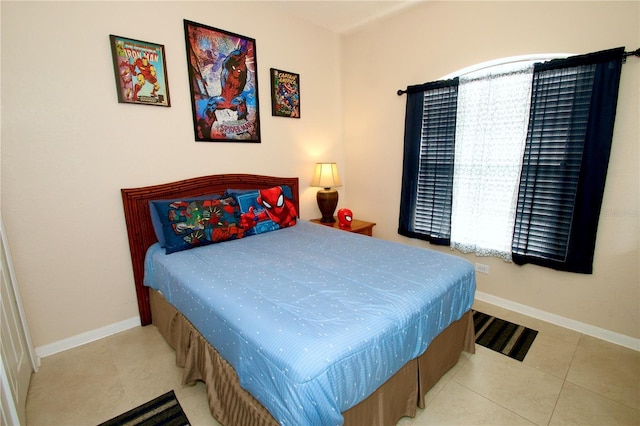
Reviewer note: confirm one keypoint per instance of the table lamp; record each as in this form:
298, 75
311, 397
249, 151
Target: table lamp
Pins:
326, 177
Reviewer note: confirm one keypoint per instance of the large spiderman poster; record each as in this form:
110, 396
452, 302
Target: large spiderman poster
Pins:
223, 77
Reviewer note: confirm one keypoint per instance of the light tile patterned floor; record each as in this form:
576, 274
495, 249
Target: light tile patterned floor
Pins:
566, 379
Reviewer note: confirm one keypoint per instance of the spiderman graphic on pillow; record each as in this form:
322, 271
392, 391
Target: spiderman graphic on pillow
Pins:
277, 207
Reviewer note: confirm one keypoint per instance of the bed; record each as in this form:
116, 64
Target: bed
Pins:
301, 357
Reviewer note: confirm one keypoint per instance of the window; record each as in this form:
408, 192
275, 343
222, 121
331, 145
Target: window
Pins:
491, 130
553, 128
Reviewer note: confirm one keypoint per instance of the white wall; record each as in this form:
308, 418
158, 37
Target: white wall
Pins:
436, 38
68, 146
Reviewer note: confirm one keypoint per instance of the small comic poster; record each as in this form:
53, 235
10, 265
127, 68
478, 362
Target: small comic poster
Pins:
140, 71
285, 94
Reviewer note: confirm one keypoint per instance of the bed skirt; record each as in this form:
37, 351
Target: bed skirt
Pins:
231, 405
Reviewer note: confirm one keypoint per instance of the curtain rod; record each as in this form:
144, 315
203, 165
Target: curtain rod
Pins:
636, 52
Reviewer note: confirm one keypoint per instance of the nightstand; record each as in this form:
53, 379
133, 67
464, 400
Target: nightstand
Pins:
357, 226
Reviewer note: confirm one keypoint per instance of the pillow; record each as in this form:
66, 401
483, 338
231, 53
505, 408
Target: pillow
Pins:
155, 217
231, 192
195, 222
265, 210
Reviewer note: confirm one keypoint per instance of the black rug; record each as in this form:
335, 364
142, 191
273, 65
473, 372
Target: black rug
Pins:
163, 410
503, 336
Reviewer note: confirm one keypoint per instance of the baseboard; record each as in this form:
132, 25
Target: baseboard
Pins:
600, 333
87, 337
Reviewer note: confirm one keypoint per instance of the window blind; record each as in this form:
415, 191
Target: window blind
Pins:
565, 161
429, 162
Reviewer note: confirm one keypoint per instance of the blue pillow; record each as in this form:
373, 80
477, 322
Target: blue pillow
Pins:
266, 209
191, 223
155, 218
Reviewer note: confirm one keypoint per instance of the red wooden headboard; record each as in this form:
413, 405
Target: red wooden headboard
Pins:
138, 219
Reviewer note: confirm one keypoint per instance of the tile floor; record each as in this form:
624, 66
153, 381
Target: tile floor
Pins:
566, 378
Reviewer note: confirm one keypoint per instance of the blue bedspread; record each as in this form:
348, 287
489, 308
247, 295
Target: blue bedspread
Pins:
314, 319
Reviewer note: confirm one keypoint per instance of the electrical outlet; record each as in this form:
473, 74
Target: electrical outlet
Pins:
480, 267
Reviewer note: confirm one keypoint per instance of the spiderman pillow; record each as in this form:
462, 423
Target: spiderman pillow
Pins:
265, 210
195, 222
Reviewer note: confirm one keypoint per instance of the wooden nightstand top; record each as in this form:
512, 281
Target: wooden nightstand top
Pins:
357, 226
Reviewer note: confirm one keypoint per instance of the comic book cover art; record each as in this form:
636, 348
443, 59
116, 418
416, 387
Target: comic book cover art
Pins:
285, 94
223, 83
140, 69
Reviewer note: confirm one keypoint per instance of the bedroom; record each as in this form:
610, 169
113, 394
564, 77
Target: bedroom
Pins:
66, 141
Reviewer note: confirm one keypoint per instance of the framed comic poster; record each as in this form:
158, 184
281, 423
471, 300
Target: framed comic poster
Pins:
141, 72
285, 94
223, 77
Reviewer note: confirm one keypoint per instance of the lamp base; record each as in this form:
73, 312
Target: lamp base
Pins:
327, 202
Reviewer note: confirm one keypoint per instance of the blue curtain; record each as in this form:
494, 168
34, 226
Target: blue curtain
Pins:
565, 163
427, 177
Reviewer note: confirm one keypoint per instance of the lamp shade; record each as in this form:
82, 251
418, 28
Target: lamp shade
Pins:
326, 176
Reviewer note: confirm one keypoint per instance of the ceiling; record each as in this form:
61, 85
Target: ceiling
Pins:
342, 16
